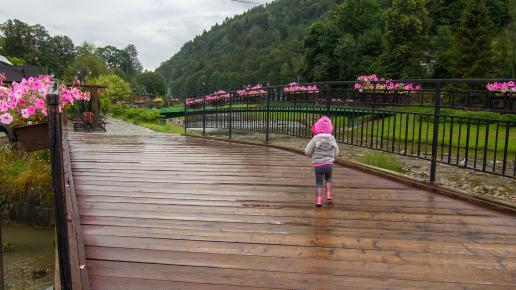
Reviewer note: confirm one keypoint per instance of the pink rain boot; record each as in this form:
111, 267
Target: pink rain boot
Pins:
318, 196
329, 191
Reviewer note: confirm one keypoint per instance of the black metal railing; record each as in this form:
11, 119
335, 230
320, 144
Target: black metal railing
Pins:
404, 123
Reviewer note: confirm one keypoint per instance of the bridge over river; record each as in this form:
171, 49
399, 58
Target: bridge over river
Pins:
155, 211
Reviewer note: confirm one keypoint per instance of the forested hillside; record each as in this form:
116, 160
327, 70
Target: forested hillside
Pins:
265, 44
316, 40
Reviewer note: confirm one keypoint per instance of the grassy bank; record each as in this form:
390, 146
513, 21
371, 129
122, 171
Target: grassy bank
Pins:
146, 118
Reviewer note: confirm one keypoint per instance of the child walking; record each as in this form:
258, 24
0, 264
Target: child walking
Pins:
323, 149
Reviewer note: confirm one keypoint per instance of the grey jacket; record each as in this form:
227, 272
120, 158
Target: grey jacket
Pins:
323, 148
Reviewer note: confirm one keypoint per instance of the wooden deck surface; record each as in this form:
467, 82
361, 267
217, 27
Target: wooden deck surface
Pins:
163, 212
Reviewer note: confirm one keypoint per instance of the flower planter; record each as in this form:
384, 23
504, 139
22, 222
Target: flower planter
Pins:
33, 137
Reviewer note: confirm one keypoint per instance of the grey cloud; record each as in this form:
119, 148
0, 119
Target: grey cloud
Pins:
158, 28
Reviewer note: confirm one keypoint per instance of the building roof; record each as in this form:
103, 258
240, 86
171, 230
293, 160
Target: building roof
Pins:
4, 60
15, 73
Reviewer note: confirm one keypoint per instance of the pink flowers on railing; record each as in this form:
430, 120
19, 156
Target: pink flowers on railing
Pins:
211, 98
372, 82
249, 90
506, 87
296, 88
23, 103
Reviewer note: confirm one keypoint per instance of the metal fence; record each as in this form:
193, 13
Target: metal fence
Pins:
399, 122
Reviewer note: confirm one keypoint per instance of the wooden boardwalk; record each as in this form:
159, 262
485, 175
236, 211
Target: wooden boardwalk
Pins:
163, 212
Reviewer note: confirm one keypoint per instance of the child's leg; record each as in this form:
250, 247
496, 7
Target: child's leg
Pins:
329, 184
319, 184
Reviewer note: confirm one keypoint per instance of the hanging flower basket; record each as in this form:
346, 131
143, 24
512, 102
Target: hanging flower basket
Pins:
24, 110
33, 137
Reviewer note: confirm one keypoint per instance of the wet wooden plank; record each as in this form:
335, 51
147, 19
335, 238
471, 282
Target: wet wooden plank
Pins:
265, 279
174, 212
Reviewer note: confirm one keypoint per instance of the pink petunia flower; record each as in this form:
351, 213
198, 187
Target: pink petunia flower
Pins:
3, 106
31, 110
6, 118
25, 114
39, 104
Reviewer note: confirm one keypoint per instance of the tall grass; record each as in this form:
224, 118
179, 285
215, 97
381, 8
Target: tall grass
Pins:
382, 160
25, 178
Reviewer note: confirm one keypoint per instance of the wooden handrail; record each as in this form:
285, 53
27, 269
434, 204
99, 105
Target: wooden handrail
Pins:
70, 249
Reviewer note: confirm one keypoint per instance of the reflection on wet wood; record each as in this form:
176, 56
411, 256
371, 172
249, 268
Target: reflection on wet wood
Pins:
162, 212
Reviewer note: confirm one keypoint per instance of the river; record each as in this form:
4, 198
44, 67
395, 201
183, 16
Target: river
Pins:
29, 259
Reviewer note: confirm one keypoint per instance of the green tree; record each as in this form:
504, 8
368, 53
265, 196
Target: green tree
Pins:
57, 55
153, 83
344, 43
124, 62
473, 52
16, 60
406, 32
117, 90
87, 65
24, 41
511, 36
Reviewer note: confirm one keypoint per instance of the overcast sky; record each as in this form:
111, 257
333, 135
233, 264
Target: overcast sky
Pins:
158, 28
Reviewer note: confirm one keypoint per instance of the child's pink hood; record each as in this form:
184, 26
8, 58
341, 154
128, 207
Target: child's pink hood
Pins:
322, 126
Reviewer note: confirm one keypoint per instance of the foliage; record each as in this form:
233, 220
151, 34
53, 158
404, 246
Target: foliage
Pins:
57, 54
117, 90
406, 33
147, 118
153, 83
123, 62
31, 44
87, 65
24, 103
21, 39
24, 178
382, 160
473, 52
344, 43
28, 44
135, 115
16, 60
320, 40
168, 128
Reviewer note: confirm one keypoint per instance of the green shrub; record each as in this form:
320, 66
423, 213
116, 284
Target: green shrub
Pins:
117, 110
131, 114
382, 160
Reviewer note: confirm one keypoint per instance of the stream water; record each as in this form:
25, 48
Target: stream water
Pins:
29, 259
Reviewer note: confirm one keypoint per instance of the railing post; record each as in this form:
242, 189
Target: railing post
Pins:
56, 159
267, 115
204, 116
230, 125
186, 117
435, 135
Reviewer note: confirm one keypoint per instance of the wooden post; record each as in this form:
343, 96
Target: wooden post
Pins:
56, 160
